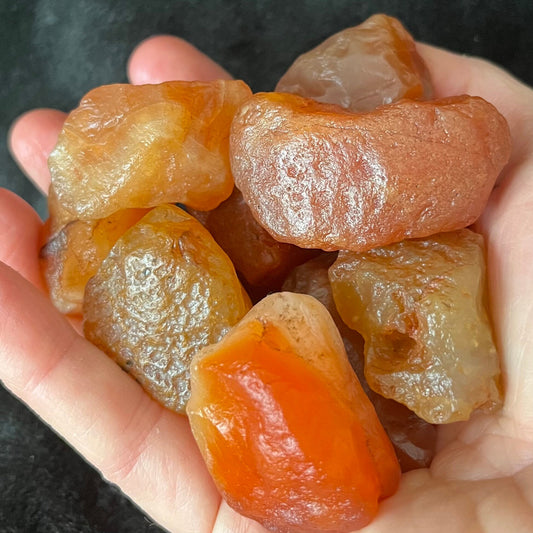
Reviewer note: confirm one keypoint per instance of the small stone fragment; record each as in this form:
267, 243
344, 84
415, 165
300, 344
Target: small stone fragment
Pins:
361, 68
285, 429
413, 439
317, 176
421, 306
165, 290
260, 259
73, 255
143, 145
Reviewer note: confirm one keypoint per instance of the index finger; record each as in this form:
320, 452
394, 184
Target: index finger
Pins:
166, 58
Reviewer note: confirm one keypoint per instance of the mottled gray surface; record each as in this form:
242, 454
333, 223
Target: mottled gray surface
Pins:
52, 52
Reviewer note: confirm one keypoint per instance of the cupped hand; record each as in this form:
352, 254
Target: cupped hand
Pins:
482, 476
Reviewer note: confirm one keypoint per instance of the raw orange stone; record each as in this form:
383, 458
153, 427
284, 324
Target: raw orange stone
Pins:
260, 259
141, 146
361, 68
285, 429
73, 255
421, 306
317, 176
413, 438
165, 291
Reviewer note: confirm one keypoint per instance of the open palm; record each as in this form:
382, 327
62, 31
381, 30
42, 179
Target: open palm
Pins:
482, 476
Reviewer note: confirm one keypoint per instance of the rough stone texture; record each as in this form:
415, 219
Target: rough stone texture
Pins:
317, 176
361, 68
165, 290
140, 146
283, 424
422, 308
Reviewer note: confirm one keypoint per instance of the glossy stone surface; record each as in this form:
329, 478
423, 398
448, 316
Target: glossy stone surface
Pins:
165, 291
145, 145
413, 439
421, 306
284, 426
260, 259
317, 176
73, 255
361, 68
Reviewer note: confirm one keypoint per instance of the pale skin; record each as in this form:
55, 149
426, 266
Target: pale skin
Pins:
481, 479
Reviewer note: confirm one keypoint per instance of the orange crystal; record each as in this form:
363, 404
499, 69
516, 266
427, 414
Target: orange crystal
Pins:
361, 68
318, 176
165, 290
286, 431
144, 145
421, 306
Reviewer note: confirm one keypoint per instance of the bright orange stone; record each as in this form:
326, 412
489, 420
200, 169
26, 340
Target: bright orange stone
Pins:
318, 176
286, 431
141, 146
361, 68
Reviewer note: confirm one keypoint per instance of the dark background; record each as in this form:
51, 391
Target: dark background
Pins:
52, 52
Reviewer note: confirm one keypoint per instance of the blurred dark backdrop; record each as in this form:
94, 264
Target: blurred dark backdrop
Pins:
54, 51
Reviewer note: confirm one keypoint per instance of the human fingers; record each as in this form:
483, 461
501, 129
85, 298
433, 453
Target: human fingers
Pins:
20, 228
31, 139
165, 58
453, 74
145, 449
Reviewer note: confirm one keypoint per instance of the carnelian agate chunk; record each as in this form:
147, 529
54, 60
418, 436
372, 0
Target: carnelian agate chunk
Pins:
286, 431
261, 260
165, 290
413, 438
73, 255
144, 145
361, 68
421, 307
317, 176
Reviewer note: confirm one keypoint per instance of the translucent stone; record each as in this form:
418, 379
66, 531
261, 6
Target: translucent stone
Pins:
286, 430
165, 290
317, 176
421, 306
361, 68
144, 145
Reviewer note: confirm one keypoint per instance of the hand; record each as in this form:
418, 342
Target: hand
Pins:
482, 476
